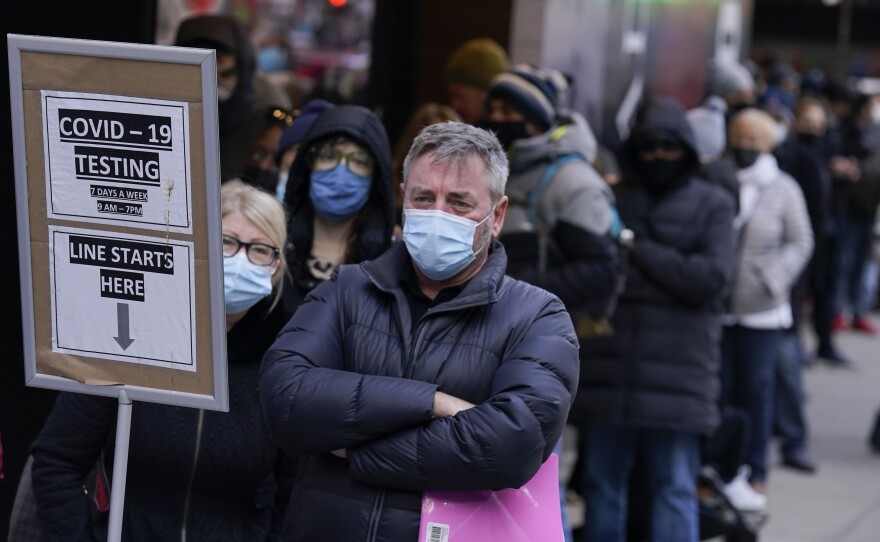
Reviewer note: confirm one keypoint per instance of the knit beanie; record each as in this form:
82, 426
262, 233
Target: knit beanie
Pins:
534, 91
476, 62
296, 132
727, 77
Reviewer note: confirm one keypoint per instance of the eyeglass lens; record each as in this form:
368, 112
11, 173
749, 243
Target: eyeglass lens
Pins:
358, 162
257, 253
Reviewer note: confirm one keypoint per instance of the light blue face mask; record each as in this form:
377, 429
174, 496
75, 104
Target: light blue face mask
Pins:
244, 283
337, 193
440, 244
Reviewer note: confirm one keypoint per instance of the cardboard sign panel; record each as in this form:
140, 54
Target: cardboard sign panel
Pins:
133, 288
118, 208
115, 159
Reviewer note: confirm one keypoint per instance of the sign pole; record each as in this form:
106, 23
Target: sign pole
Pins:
120, 467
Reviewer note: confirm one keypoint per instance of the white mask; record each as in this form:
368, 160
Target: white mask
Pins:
875, 115
780, 133
224, 92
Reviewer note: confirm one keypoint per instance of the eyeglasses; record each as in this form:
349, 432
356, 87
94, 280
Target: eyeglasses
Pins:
257, 253
659, 145
328, 157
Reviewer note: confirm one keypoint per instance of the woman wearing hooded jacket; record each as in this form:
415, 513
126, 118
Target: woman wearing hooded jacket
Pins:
775, 242
339, 197
192, 474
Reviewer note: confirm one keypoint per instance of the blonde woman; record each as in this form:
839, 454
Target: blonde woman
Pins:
192, 474
775, 242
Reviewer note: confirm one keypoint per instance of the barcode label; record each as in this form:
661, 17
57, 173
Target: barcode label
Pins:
438, 532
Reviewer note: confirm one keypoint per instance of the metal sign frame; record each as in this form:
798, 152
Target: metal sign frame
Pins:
211, 322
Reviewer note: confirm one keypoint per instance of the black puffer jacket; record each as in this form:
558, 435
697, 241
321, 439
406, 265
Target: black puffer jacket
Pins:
227, 458
374, 225
660, 367
348, 372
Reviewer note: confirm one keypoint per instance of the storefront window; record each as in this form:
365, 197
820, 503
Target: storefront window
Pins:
312, 48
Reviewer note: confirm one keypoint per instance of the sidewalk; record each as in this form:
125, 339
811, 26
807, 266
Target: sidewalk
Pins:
840, 503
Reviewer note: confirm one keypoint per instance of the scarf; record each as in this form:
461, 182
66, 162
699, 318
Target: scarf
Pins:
752, 180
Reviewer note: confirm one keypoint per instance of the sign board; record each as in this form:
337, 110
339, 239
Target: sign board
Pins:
118, 212
115, 159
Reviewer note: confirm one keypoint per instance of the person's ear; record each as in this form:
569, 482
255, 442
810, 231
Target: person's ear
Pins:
498, 216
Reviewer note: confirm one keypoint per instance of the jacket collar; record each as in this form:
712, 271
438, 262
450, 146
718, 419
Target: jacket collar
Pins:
387, 270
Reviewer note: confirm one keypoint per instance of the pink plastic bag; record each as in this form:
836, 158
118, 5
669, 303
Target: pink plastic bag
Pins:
528, 514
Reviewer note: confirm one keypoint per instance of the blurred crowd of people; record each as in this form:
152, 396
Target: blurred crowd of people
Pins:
689, 260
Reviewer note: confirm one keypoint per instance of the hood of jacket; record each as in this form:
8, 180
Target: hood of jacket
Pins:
363, 126
225, 33
668, 115
570, 134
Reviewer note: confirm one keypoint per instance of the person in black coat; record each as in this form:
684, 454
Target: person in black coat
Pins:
649, 392
424, 369
802, 155
192, 474
237, 103
805, 156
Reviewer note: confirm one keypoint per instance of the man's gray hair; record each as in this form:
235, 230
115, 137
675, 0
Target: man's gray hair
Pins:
454, 142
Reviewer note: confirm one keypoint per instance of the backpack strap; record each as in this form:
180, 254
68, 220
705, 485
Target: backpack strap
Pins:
587, 325
538, 192
544, 184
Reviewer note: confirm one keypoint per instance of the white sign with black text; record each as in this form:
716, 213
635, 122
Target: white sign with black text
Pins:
126, 298
115, 159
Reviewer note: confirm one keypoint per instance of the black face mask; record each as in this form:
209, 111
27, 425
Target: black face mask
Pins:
262, 178
659, 175
809, 139
745, 157
507, 132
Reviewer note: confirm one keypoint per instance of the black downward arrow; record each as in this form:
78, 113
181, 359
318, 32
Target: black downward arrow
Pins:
123, 339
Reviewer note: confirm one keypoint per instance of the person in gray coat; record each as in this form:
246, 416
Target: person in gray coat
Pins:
424, 369
775, 241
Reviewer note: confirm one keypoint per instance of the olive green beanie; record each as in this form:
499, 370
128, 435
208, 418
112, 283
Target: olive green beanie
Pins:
476, 62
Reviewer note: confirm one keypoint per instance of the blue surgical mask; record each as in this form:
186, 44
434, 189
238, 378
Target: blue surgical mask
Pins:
440, 244
337, 193
244, 283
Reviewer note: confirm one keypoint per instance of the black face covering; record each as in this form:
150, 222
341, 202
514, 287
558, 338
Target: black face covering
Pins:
659, 175
745, 157
507, 132
809, 139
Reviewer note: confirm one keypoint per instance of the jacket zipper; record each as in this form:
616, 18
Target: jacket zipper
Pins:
192, 474
379, 503
411, 362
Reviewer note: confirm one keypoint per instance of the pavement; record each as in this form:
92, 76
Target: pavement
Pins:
841, 501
